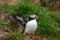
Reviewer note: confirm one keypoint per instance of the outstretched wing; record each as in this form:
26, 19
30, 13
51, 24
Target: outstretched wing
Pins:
17, 19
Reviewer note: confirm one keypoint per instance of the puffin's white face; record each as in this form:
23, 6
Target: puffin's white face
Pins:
33, 16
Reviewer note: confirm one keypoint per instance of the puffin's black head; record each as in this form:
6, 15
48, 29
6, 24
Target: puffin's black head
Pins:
32, 17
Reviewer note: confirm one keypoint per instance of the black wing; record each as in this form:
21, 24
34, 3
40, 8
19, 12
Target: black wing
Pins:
17, 19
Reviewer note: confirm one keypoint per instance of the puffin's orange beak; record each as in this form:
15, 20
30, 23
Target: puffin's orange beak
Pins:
36, 17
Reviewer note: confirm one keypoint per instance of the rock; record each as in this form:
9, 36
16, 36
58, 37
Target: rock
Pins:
10, 2
3, 35
2, 15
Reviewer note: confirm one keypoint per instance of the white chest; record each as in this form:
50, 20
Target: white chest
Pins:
31, 26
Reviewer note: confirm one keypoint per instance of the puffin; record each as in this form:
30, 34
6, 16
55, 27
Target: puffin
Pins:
29, 26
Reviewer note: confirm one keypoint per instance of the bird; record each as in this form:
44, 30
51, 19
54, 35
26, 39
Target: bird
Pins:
29, 27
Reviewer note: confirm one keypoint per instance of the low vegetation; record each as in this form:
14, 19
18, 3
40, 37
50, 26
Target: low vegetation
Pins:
48, 22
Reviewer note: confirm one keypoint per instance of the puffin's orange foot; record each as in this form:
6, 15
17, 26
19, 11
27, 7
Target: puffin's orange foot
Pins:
33, 36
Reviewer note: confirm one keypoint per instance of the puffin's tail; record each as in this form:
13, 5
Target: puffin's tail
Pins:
17, 19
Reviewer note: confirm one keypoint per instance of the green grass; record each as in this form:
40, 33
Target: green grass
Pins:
2, 24
48, 21
16, 36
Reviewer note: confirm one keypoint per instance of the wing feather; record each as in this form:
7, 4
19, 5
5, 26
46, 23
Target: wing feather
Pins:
17, 19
